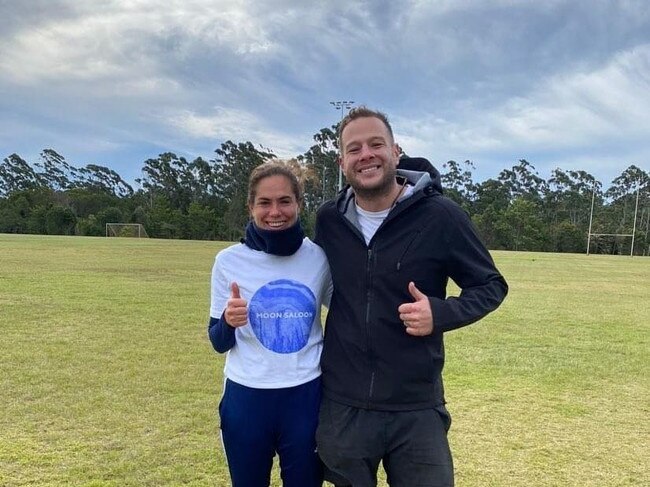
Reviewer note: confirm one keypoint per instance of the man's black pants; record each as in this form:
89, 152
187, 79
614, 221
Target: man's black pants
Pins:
412, 445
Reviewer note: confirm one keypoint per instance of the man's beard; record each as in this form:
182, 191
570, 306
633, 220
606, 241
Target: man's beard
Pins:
384, 187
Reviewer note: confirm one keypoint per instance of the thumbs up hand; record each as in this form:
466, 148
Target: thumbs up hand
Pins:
417, 316
236, 308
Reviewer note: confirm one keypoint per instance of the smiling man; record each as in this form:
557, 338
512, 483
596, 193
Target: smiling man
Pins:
369, 163
393, 241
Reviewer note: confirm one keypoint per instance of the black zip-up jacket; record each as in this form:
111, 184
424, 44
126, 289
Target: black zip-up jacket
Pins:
368, 360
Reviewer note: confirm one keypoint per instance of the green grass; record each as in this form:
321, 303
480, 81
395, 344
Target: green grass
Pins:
108, 378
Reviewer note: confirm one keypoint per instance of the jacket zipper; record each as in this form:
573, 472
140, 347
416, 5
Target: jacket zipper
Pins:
368, 334
356, 231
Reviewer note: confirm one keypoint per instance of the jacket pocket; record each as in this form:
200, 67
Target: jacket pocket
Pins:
409, 245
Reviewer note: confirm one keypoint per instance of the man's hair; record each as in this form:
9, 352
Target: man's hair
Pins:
274, 168
363, 111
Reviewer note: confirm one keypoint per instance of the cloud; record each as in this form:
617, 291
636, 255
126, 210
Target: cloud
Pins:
583, 108
489, 81
236, 125
609, 106
125, 39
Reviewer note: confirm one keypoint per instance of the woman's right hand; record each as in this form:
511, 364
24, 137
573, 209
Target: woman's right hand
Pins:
236, 313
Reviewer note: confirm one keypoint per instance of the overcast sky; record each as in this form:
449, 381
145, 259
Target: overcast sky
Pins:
561, 83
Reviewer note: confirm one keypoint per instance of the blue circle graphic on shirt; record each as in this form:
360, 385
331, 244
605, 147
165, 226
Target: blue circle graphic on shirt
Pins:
281, 314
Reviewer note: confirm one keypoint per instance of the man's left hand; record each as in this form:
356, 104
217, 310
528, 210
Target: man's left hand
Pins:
417, 316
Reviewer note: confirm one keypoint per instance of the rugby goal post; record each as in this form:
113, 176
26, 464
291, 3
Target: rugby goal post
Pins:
133, 230
613, 235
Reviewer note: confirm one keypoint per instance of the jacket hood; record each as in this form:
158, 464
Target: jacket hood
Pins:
408, 165
418, 171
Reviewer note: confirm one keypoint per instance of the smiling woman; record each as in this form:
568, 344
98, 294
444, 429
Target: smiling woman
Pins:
265, 314
274, 204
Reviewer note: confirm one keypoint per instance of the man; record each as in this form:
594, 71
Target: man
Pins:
393, 241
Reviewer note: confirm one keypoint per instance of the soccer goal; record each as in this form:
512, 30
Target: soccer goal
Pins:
126, 230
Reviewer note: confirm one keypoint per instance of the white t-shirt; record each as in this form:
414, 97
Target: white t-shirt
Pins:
369, 221
282, 342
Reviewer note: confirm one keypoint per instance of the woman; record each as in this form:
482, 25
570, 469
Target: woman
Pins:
265, 313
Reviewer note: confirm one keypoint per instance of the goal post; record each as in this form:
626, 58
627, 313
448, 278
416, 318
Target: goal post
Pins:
133, 230
614, 236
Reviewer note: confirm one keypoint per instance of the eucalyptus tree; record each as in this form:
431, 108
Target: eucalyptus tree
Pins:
17, 175
524, 183
102, 178
201, 177
458, 184
232, 168
629, 195
522, 180
55, 172
570, 194
167, 176
322, 168
492, 199
519, 227
568, 205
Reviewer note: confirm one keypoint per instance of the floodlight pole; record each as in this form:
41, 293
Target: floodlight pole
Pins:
342, 105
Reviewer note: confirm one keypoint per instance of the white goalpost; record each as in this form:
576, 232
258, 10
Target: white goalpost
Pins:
133, 230
614, 235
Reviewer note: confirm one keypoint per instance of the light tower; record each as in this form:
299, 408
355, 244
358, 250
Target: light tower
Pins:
342, 105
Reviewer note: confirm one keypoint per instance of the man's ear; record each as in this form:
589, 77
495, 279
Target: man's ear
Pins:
396, 151
339, 161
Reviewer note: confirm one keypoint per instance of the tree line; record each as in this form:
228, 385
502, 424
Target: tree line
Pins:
206, 199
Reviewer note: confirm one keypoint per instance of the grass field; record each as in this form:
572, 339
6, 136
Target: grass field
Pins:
108, 378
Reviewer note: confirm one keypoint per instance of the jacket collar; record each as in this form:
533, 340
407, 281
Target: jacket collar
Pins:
421, 181
423, 187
